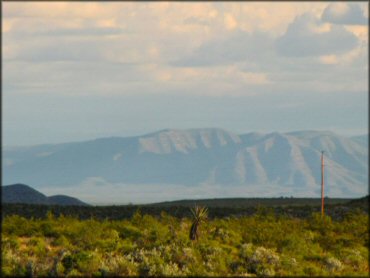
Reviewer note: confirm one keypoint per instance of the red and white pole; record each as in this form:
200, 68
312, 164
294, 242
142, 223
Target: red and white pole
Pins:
322, 183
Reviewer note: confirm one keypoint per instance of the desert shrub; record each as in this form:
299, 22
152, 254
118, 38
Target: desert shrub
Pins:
82, 262
259, 245
151, 263
120, 265
11, 242
289, 266
259, 260
37, 246
126, 246
109, 241
354, 260
156, 234
47, 229
62, 241
11, 263
320, 223
351, 257
86, 235
68, 263
129, 231
333, 264
19, 226
263, 262
313, 269
247, 251
88, 262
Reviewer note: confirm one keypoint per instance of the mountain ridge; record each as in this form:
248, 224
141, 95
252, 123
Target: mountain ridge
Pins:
198, 156
25, 194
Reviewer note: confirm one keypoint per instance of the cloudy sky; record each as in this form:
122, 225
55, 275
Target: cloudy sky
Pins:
77, 71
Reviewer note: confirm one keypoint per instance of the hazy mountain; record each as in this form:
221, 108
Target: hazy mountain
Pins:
362, 139
20, 193
197, 156
24, 194
64, 200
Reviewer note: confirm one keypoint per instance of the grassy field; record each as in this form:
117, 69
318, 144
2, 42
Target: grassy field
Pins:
264, 243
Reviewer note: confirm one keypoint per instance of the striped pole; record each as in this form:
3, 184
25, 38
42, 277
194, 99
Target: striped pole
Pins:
322, 183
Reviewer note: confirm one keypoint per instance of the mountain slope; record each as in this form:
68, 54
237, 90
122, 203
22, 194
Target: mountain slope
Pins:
362, 139
64, 200
198, 156
24, 194
20, 193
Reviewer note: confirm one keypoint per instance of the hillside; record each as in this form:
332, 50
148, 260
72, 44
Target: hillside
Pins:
253, 202
20, 193
279, 162
362, 139
24, 194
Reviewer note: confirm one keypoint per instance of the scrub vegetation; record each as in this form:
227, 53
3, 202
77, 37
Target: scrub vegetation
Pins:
262, 244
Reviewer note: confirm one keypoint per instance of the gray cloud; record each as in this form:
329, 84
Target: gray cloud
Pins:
87, 31
237, 47
43, 56
91, 31
344, 13
196, 21
302, 40
61, 50
72, 48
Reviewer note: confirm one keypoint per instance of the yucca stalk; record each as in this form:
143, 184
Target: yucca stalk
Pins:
200, 214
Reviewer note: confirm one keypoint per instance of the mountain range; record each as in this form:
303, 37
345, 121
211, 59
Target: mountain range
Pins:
197, 157
24, 194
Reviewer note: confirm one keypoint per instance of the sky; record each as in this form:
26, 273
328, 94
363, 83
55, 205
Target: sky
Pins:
84, 70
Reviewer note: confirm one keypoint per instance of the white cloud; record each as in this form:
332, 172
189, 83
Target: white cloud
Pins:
329, 59
62, 10
360, 31
132, 67
230, 22
195, 48
7, 25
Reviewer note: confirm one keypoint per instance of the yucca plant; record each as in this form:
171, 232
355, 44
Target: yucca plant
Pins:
200, 214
